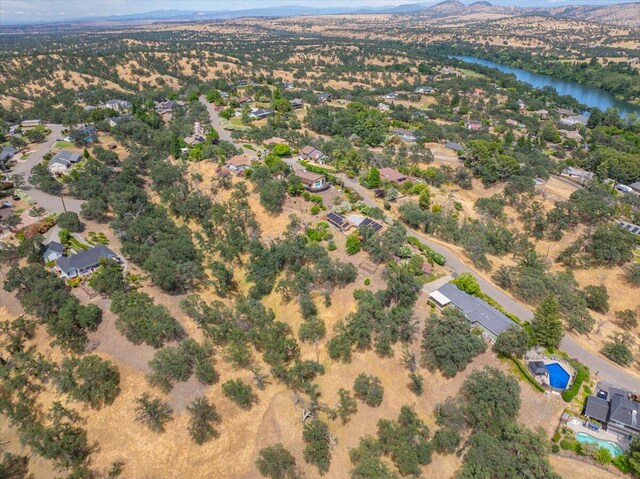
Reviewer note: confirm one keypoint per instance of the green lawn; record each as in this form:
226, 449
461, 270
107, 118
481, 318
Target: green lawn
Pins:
63, 144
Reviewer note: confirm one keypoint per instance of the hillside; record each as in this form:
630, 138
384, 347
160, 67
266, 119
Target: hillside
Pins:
617, 14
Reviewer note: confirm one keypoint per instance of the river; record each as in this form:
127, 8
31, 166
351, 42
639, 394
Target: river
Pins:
590, 96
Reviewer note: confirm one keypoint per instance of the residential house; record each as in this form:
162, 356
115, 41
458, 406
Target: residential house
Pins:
312, 181
477, 311
287, 85
238, 163
572, 135
52, 251
89, 132
615, 410
391, 96
452, 145
7, 152
564, 112
118, 105
544, 114
244, 99
630, 227
166, 107
313, 154
261, 113
383, 107
511, 122
115, 120
62, 161
84, 262
474, 125
31, 123
404, 134
324, 97
392, 175
578, 174
478, 92
424, 90
575, 120
297, 103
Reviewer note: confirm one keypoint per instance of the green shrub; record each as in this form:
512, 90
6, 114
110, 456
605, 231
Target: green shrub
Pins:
332, 246
367, 281
582, 375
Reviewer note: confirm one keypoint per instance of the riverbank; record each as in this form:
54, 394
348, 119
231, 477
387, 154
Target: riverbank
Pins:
590, 96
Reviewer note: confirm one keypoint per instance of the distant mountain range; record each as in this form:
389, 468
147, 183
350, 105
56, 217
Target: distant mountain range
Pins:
622, 13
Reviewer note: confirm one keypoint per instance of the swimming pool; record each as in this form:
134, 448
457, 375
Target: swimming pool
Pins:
558, 376
612, 447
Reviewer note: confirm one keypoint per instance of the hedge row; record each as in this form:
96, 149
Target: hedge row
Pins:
435, 256
581, 376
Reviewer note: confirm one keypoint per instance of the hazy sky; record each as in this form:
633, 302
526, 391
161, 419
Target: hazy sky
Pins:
57, 10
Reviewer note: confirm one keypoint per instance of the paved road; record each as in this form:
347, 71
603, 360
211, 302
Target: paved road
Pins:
45, 200
605, 368
224, 134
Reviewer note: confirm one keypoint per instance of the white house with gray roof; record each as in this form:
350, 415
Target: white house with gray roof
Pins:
62, 161
478, 312
84, 262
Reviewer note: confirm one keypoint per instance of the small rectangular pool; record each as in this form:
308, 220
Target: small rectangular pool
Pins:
558, 376
610, 446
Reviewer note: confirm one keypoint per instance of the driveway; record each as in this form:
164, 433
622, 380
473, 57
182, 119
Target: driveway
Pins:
224, 134
49, 202
599, 366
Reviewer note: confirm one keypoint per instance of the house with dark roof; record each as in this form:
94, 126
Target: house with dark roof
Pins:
262, 113
479, 313
424, 90
297, 103
84, 262
52, 251
62, 161
616, 411
452, 145
7, 152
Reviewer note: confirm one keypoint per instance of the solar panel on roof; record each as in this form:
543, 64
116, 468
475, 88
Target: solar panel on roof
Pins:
371, 224
337, 220
636, 230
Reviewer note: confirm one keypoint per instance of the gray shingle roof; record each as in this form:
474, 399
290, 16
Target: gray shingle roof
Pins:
452, 145
54, 246
65, 157
623, 410
476, 310
596, 408
7, 152
85, 259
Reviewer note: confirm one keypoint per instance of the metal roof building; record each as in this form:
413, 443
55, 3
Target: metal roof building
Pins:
478, 312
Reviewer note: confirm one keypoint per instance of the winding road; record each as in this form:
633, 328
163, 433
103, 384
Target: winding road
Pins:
600, 367
48, 202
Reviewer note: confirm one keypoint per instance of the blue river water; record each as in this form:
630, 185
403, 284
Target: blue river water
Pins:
590, 96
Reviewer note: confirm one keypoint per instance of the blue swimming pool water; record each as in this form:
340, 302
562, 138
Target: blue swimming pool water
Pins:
612, 447
558, 377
